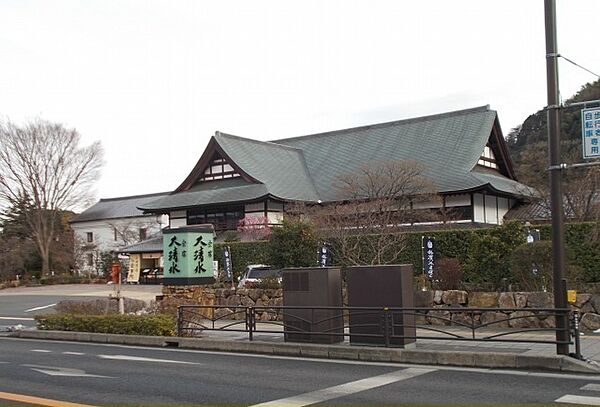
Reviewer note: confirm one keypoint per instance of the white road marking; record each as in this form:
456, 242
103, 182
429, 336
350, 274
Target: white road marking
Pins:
483, 370
63, 371
41, 350
571, 399
142, 359
73, 353
39, 308
16, 319
591, 387
346, 389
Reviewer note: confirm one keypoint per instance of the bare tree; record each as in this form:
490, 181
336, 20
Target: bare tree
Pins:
43, 163
581, 186
379, 199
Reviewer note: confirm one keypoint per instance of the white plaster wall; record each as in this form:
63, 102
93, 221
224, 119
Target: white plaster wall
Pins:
104, 235
491, 209
177, 223
478, 212
503, 208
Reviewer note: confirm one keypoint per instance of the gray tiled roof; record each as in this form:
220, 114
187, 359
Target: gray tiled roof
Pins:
229, 190
114, 208
305, 168
282, 169
151, 245
448, 145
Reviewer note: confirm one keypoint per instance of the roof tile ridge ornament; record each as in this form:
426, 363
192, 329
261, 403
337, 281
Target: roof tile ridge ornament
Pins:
269, 143
454, 113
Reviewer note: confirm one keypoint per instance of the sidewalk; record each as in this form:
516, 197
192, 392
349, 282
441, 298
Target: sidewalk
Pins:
523, 356
590, 343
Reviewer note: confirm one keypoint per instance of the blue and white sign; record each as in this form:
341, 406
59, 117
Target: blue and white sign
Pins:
590, 127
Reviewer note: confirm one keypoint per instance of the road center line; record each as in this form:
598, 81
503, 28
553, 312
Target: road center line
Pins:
571, 399
39, 308
41, 350
142, 359
21, 398
73, 353
346, 389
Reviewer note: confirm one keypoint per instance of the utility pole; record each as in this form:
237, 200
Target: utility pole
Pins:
556, 200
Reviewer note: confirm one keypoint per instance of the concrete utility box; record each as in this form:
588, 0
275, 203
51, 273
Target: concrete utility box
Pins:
380, 286
313, 287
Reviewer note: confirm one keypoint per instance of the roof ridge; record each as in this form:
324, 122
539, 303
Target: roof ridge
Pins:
269, 143
133, 196
483, 108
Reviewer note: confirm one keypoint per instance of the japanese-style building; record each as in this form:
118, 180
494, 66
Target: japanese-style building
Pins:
463, 152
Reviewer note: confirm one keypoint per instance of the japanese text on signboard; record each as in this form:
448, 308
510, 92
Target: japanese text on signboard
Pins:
188, 255
428, 255
590, 127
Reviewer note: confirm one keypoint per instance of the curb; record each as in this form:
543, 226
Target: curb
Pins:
496, 360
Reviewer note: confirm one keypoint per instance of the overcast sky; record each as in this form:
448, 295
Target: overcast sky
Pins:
153, 80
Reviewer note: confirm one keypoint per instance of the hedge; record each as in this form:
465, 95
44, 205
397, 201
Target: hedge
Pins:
150, 325
453, 243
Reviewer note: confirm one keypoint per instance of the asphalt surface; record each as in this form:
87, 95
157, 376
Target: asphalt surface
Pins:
19, 305
97, 374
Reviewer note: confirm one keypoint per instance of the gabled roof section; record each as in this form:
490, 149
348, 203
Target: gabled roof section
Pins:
281, 168
213, 148
448, 145
307, 168
115, 208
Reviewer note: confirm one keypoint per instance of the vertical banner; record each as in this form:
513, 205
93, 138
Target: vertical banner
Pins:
133, 274
428, 248
188, 255
227, 264
324, 255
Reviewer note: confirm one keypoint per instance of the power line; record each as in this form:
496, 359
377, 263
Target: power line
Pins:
576, 64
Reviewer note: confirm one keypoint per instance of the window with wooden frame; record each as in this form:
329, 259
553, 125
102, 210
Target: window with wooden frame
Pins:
218, 169
488, 159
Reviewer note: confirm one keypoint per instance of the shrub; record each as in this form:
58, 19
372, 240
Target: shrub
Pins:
151, 325
448, 274
538, 256
294, 244
488, 257
244, 253
531, 266
267, 283
98, 307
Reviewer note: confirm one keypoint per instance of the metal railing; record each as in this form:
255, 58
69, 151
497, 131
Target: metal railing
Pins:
387, 326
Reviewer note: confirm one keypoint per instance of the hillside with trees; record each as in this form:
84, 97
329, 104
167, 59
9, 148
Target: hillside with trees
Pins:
528, 146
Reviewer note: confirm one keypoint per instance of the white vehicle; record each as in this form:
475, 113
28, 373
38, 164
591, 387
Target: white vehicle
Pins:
255, 272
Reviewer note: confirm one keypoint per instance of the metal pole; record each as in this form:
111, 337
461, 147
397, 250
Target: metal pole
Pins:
119, 297
558, 247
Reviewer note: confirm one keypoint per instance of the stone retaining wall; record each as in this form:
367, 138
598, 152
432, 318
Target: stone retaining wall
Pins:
587, 304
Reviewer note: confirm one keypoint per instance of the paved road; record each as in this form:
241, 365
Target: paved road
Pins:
19, 305
95, 374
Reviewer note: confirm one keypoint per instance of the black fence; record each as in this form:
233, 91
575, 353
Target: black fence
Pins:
508, 325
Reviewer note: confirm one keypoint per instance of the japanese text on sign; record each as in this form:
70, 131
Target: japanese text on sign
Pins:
590, 127
428, 255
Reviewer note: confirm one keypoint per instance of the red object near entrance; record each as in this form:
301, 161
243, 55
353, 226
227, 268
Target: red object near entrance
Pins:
115, 272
